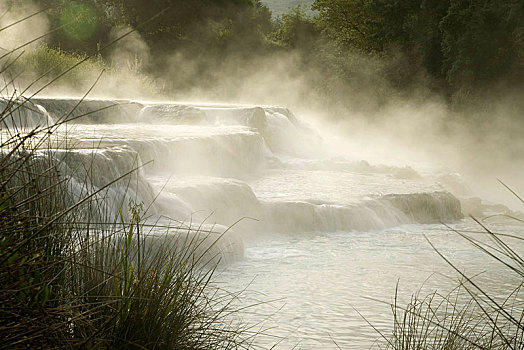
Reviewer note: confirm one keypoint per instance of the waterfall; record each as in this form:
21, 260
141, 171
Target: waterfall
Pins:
250, 166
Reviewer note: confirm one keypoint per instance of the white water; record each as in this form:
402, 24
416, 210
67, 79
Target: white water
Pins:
318, 233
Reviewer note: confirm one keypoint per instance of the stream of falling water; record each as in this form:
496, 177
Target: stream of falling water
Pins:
322, 235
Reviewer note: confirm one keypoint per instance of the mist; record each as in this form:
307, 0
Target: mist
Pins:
365, 116
369, 119
318, 151
25, 32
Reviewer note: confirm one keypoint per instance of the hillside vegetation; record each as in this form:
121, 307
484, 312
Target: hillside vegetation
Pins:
457, 49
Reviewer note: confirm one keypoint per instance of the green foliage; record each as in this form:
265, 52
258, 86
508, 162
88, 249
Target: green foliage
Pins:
296, 30
426, 35
453, 47
351, 23
164, 24
461, 45
43, 60
467, 42
478, 40
78, 21
80, 25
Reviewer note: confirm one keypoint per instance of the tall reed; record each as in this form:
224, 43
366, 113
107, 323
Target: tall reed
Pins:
470, 316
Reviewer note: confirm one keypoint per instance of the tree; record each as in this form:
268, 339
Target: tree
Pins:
80, 26
296, 30
179, 22
85, 25
480, 41
351, 23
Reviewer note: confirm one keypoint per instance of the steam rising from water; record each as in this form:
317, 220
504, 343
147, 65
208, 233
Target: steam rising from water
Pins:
285, 176
131, 52
372, 122
360, 172
25, 32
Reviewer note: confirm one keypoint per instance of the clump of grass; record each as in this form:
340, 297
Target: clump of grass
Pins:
147, 290
469, 317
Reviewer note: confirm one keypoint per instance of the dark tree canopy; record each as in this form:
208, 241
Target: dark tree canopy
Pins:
164, 24
465, 41
461, 45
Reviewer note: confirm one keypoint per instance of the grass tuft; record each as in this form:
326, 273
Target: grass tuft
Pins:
470, 316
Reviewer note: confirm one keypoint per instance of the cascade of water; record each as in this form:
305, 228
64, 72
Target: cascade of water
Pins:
214, 163
19, 114
90, 111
